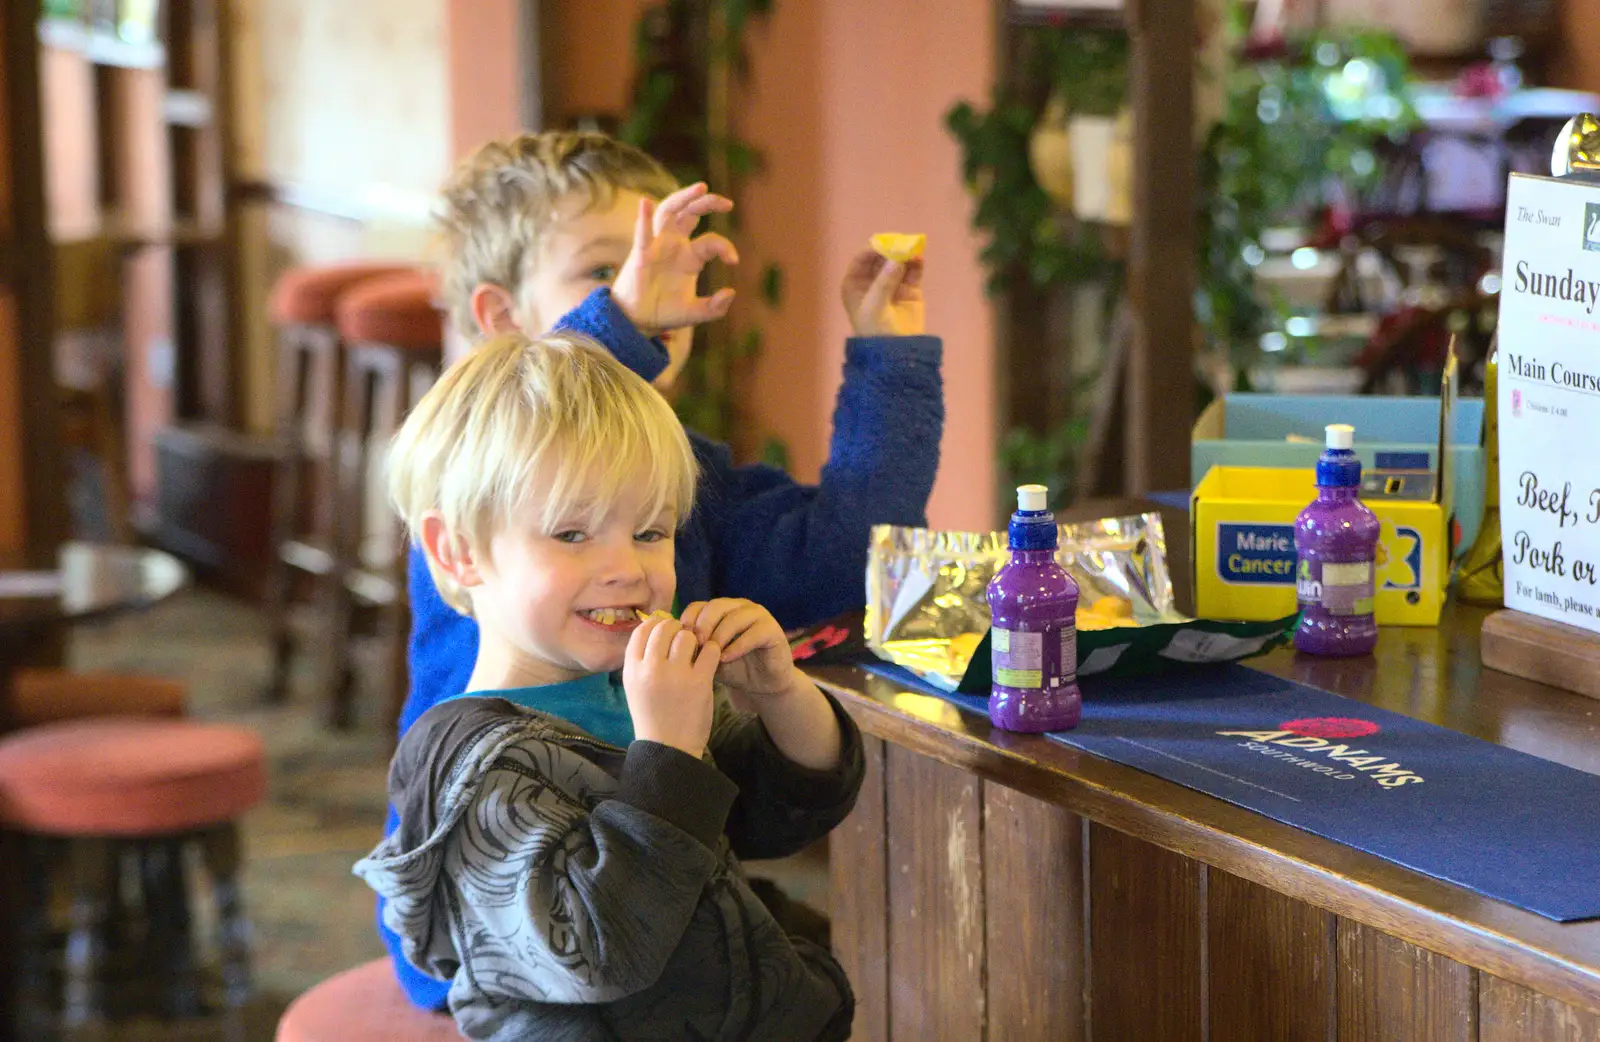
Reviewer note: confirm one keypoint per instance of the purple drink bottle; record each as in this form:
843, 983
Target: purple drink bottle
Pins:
1033, 606
1336, 543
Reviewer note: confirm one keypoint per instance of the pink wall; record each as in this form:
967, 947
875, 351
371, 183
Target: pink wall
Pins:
591, 57
847, 102
484, 82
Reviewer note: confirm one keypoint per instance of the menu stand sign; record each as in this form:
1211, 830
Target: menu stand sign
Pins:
1549, 413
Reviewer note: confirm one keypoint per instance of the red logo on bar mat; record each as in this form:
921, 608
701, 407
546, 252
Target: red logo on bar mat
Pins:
1331, 727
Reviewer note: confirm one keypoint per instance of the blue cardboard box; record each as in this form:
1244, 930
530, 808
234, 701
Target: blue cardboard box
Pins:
1398, 440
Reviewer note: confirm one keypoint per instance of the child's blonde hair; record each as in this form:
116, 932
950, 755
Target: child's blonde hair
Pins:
556, 420
503, 197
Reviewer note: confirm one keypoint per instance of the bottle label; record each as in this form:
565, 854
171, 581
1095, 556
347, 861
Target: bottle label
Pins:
1338, 589
1039, 661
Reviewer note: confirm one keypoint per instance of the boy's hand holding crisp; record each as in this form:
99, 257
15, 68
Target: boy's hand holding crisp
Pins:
759, 672
667, 676
658, 286
883, 297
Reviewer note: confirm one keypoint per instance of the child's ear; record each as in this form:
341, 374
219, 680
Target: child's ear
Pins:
449, 552
493, 309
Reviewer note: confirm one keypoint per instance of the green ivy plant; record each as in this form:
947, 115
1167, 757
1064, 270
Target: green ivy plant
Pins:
1027, 240
684, 49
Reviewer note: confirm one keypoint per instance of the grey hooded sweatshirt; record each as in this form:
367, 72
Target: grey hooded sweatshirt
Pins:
570, 889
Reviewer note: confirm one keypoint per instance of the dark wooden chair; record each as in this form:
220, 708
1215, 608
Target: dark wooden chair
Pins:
394, 340
309, 384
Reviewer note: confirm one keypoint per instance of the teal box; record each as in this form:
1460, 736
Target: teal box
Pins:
1394, 435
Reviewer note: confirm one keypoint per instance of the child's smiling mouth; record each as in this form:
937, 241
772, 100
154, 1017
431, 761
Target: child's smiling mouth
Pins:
618, 619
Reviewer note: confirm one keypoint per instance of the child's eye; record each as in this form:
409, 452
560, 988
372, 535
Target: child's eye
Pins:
606, 273
654, 535
571, 535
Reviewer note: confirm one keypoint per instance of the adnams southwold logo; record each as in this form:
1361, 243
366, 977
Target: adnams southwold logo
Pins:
1314, 744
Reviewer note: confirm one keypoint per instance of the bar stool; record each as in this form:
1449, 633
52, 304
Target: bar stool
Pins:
310, 368
93, 792
362, 1005
394, 340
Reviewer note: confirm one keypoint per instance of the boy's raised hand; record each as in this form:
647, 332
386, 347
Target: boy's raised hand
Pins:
756, 662
883, 297
658, 286
666, 676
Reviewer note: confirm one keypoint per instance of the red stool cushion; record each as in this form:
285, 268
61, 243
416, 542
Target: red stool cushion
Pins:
308, 295
128, 776
362, 1005
398, 310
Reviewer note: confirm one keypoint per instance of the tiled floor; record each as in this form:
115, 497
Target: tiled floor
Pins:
325, 807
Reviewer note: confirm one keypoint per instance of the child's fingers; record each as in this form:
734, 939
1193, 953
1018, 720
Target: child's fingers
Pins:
660, 643
712, 246
913, 277
708, 615
707, 204
733, 626
672, 207
708, 309
688, 616
705, 666
753, 639
644, 226
863, 268
640, 639
883, 288
682, 648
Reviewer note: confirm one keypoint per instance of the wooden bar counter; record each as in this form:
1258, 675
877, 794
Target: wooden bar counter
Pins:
999, 886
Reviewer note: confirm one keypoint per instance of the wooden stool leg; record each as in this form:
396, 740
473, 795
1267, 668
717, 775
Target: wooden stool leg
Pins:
293, 374
166, 891
221, 847
90, 861
355, 427
36, 953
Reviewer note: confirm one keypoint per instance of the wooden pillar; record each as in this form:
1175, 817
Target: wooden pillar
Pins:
1159, 389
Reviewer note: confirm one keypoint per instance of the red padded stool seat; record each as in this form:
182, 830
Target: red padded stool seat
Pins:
45, 696
397, 310
308, 296
362, 1005
127, 776
109, 799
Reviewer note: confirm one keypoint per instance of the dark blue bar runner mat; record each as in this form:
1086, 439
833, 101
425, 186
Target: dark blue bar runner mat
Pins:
1499, 822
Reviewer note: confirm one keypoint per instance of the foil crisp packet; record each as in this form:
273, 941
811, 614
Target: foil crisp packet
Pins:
927, 591
928, 607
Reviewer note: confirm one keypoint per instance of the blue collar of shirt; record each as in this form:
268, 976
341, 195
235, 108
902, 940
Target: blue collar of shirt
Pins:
595, 703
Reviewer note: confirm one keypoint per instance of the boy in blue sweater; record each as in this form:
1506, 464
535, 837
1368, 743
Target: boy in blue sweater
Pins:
579, 232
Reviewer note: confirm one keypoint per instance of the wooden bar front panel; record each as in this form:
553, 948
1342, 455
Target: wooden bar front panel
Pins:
935, 815
857, 899
1269, 963
1390, 990
1033, 901
1511, 1013
1145, 941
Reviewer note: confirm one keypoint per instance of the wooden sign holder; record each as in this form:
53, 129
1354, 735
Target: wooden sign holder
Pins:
1515, 642
1551, 653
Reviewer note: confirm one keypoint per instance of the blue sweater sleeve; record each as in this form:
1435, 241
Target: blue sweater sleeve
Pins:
600, 318
801, 550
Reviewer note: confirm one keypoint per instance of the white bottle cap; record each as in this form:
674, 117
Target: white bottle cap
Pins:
1032, 497
1341, 436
